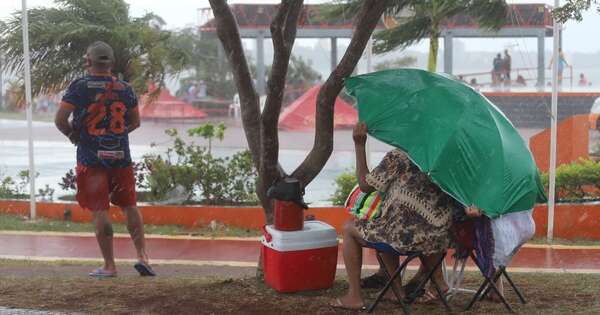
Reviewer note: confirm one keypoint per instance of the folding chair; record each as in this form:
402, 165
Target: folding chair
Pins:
467, 250
455, 279
384, 248
490, 284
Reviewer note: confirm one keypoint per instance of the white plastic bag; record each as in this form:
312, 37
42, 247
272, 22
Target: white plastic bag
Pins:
510, 232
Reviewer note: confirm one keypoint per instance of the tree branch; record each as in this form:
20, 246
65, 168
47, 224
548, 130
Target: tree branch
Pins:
283, 33
229, 36
368, 18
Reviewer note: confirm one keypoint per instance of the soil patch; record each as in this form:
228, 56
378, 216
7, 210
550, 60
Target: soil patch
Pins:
227, 290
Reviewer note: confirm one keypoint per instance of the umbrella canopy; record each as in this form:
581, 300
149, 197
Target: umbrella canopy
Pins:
167, 106
454, 134
300, 115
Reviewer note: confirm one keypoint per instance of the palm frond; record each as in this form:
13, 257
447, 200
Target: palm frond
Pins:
573, 9
394, 7
403, 35
490, 14
339, 8
350, 8
60, 35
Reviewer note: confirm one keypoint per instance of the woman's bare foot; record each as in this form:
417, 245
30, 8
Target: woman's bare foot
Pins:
348, 302
432, 295
391, 296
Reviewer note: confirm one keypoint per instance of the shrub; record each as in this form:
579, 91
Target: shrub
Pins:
7, 187
343, 186
195, 171
11, 189
189, 172
577, 180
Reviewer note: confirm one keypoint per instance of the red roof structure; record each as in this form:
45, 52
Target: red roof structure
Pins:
300, 115
259, 17
167, 106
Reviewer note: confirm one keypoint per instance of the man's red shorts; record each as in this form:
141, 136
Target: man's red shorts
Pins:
97, 186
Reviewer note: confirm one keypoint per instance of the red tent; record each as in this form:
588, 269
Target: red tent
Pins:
300, 115
167, 106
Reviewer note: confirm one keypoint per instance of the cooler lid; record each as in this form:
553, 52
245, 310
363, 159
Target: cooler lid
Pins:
316, 234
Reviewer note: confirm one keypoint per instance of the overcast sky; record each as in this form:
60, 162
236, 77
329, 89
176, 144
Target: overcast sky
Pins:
180, 13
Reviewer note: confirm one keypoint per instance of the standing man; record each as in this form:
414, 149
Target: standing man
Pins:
497, 70
104, 113
507, 65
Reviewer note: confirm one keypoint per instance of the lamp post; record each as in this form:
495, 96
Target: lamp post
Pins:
553, 127
29, 106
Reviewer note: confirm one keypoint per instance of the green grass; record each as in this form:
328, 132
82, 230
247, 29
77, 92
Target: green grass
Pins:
17, 223
10, 222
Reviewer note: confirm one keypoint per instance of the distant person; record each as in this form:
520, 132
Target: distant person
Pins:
497, 66
202, 89
104, 112
506, 62
474, 84
235, 107
191, 93
562, 63
582, 80
41, 103
461, 78
521, 81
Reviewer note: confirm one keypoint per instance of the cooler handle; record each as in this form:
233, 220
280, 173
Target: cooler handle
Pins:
267, 235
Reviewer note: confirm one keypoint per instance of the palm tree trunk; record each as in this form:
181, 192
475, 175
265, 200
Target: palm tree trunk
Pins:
433, 51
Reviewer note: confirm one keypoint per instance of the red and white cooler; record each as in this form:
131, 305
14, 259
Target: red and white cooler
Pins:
300, 260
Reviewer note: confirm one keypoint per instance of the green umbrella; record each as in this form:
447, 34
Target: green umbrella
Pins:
454, 134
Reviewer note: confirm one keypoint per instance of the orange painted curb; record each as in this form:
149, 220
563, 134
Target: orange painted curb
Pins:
572, 221
189, 216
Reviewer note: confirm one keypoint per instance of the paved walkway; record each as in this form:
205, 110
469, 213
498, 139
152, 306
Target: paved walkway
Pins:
239, 252
17, 311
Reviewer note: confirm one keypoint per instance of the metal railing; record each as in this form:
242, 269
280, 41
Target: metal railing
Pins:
514, 81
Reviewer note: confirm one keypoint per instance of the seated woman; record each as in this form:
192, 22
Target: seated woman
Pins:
415, 216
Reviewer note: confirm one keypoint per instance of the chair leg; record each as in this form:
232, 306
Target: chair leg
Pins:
512, 284
483, 286
391, 279
458, 274
389, 276
445, 272
457, 277
436, 286
461, 275
495, 278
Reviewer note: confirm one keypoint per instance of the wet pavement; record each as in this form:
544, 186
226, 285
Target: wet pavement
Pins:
240, 252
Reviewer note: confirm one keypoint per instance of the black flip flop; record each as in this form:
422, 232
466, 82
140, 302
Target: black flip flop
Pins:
374, 281
410, 292
144, 269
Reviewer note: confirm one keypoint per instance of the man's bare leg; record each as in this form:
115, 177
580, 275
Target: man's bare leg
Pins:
353, 244
438, 277
104, 236
135, 226
391, 264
